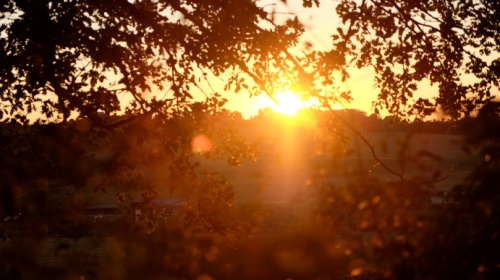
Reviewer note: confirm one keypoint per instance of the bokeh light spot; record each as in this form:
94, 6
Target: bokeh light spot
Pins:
487, 157
362, 205
481, 268
356, 272
201, 144
204, 277
82, 124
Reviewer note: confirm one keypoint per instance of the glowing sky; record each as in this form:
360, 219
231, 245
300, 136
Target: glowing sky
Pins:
320, 24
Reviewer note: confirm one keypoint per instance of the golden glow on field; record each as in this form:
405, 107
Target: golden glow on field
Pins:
288, 103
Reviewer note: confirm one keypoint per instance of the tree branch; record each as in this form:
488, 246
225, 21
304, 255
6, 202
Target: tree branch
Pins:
374, 153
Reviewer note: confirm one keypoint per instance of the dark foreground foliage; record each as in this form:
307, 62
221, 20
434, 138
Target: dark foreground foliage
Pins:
364, 227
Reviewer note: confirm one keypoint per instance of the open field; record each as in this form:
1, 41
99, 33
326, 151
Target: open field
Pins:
283, 170
272, 178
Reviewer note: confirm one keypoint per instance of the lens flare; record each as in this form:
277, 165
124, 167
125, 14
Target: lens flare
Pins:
201, 144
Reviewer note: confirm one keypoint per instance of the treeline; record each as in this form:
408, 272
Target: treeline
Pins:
373, 123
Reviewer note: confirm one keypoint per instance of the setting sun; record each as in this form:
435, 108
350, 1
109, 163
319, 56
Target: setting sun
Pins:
287, 103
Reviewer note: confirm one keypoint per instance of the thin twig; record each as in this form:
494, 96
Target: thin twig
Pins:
374, 153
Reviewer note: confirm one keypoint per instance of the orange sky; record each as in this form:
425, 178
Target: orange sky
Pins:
320, 23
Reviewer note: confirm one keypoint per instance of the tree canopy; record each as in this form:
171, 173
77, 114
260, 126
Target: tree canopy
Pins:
453, 45
89, 57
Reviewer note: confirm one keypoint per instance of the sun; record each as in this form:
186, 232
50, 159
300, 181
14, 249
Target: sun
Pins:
287, 103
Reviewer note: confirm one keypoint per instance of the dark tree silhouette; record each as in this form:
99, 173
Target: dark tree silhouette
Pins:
454, 45
89, 57
96, 94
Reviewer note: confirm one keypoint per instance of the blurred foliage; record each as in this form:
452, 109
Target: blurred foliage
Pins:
98, 100
361, 227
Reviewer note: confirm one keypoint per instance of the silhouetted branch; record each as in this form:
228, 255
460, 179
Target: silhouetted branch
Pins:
374, 153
